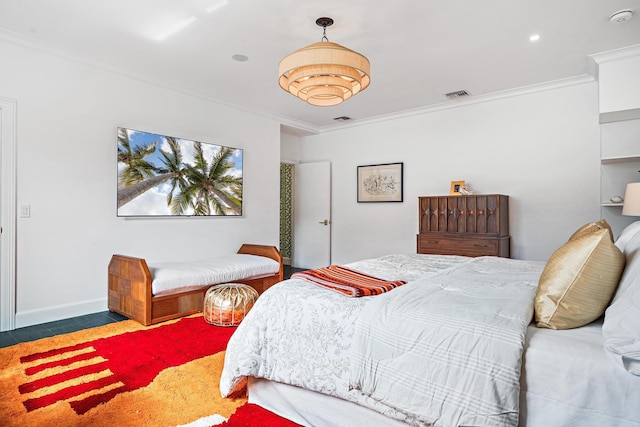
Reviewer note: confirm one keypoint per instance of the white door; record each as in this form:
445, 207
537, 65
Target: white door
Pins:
312, 215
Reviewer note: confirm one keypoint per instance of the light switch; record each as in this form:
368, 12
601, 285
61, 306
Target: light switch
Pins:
25, 211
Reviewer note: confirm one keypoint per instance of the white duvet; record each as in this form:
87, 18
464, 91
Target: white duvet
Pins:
301, 334
457, 359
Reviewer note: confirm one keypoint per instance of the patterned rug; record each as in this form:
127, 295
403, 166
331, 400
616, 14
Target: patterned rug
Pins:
124, 374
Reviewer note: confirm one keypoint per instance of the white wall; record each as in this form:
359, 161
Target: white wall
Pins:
67, 114
542, 149
290, 149
619, 85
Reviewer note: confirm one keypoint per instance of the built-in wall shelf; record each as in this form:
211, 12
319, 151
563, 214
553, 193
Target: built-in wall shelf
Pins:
621, 159
619, 108
619, 165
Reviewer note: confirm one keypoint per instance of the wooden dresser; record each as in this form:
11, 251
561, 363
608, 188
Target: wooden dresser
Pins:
474, 225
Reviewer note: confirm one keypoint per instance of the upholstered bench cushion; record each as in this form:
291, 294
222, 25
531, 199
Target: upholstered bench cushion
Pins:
172, 277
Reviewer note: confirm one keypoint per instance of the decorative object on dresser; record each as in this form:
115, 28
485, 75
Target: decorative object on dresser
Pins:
465, 190
474, 225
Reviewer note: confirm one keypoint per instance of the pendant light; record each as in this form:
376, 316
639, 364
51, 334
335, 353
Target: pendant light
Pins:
324, 73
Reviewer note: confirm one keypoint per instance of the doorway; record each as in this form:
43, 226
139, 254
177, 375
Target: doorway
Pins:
286, 212
7, 214
312, 215
305, 214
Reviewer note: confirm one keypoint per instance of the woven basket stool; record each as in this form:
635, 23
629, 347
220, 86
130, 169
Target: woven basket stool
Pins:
227, 304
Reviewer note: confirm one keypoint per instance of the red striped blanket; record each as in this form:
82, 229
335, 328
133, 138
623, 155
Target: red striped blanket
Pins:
349, 282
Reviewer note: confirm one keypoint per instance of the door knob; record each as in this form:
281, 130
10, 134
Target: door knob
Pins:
325, 222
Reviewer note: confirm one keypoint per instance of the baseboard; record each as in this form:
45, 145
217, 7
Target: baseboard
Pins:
59, 312
286, 261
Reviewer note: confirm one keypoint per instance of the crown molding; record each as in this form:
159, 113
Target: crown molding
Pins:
53, 49
296, 127
459, 103
616, 54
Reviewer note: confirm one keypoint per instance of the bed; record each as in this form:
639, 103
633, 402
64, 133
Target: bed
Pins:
319, 358
156, 292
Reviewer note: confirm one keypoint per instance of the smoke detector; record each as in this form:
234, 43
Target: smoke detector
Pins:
620, 16
342, 118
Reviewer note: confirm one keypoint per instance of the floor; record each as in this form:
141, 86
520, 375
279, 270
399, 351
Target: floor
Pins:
44, 330
32, 333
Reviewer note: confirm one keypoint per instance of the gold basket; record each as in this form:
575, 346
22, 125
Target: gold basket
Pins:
227, 304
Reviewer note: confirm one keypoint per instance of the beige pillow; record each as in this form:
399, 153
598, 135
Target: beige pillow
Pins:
578, 281
591, 227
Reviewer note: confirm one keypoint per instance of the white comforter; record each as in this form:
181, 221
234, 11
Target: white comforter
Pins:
301, 334
457, 360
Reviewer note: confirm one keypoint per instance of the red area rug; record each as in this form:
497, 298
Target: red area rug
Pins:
124, 374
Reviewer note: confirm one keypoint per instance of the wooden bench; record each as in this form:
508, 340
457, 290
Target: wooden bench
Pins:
131, 295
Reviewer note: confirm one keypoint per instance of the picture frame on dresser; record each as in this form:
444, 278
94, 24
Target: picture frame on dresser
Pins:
455, 188
380, 183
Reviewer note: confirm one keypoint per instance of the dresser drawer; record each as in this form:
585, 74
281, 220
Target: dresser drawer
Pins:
475, 214
467, 245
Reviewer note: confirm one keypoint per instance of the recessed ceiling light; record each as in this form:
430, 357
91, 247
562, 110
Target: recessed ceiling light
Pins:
534, 37
620, 16
240, 58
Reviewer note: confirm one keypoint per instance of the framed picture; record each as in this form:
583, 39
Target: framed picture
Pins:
455, 188
161, 175
380, 183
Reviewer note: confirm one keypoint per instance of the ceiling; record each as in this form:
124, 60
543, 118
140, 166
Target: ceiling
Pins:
419, 49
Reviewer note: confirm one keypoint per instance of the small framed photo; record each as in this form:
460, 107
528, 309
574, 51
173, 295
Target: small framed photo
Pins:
380, 183
456, 186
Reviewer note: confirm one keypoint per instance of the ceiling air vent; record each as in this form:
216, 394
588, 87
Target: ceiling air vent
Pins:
457, 94
342, 118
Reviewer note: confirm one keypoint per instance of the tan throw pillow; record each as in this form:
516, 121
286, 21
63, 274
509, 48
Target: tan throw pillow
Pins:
578, 281
591, 227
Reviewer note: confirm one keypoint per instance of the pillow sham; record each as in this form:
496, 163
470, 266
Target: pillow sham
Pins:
578, 281
627, 234
590, 227
621, 327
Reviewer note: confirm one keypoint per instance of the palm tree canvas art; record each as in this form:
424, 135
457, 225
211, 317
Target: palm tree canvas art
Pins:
166, 176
